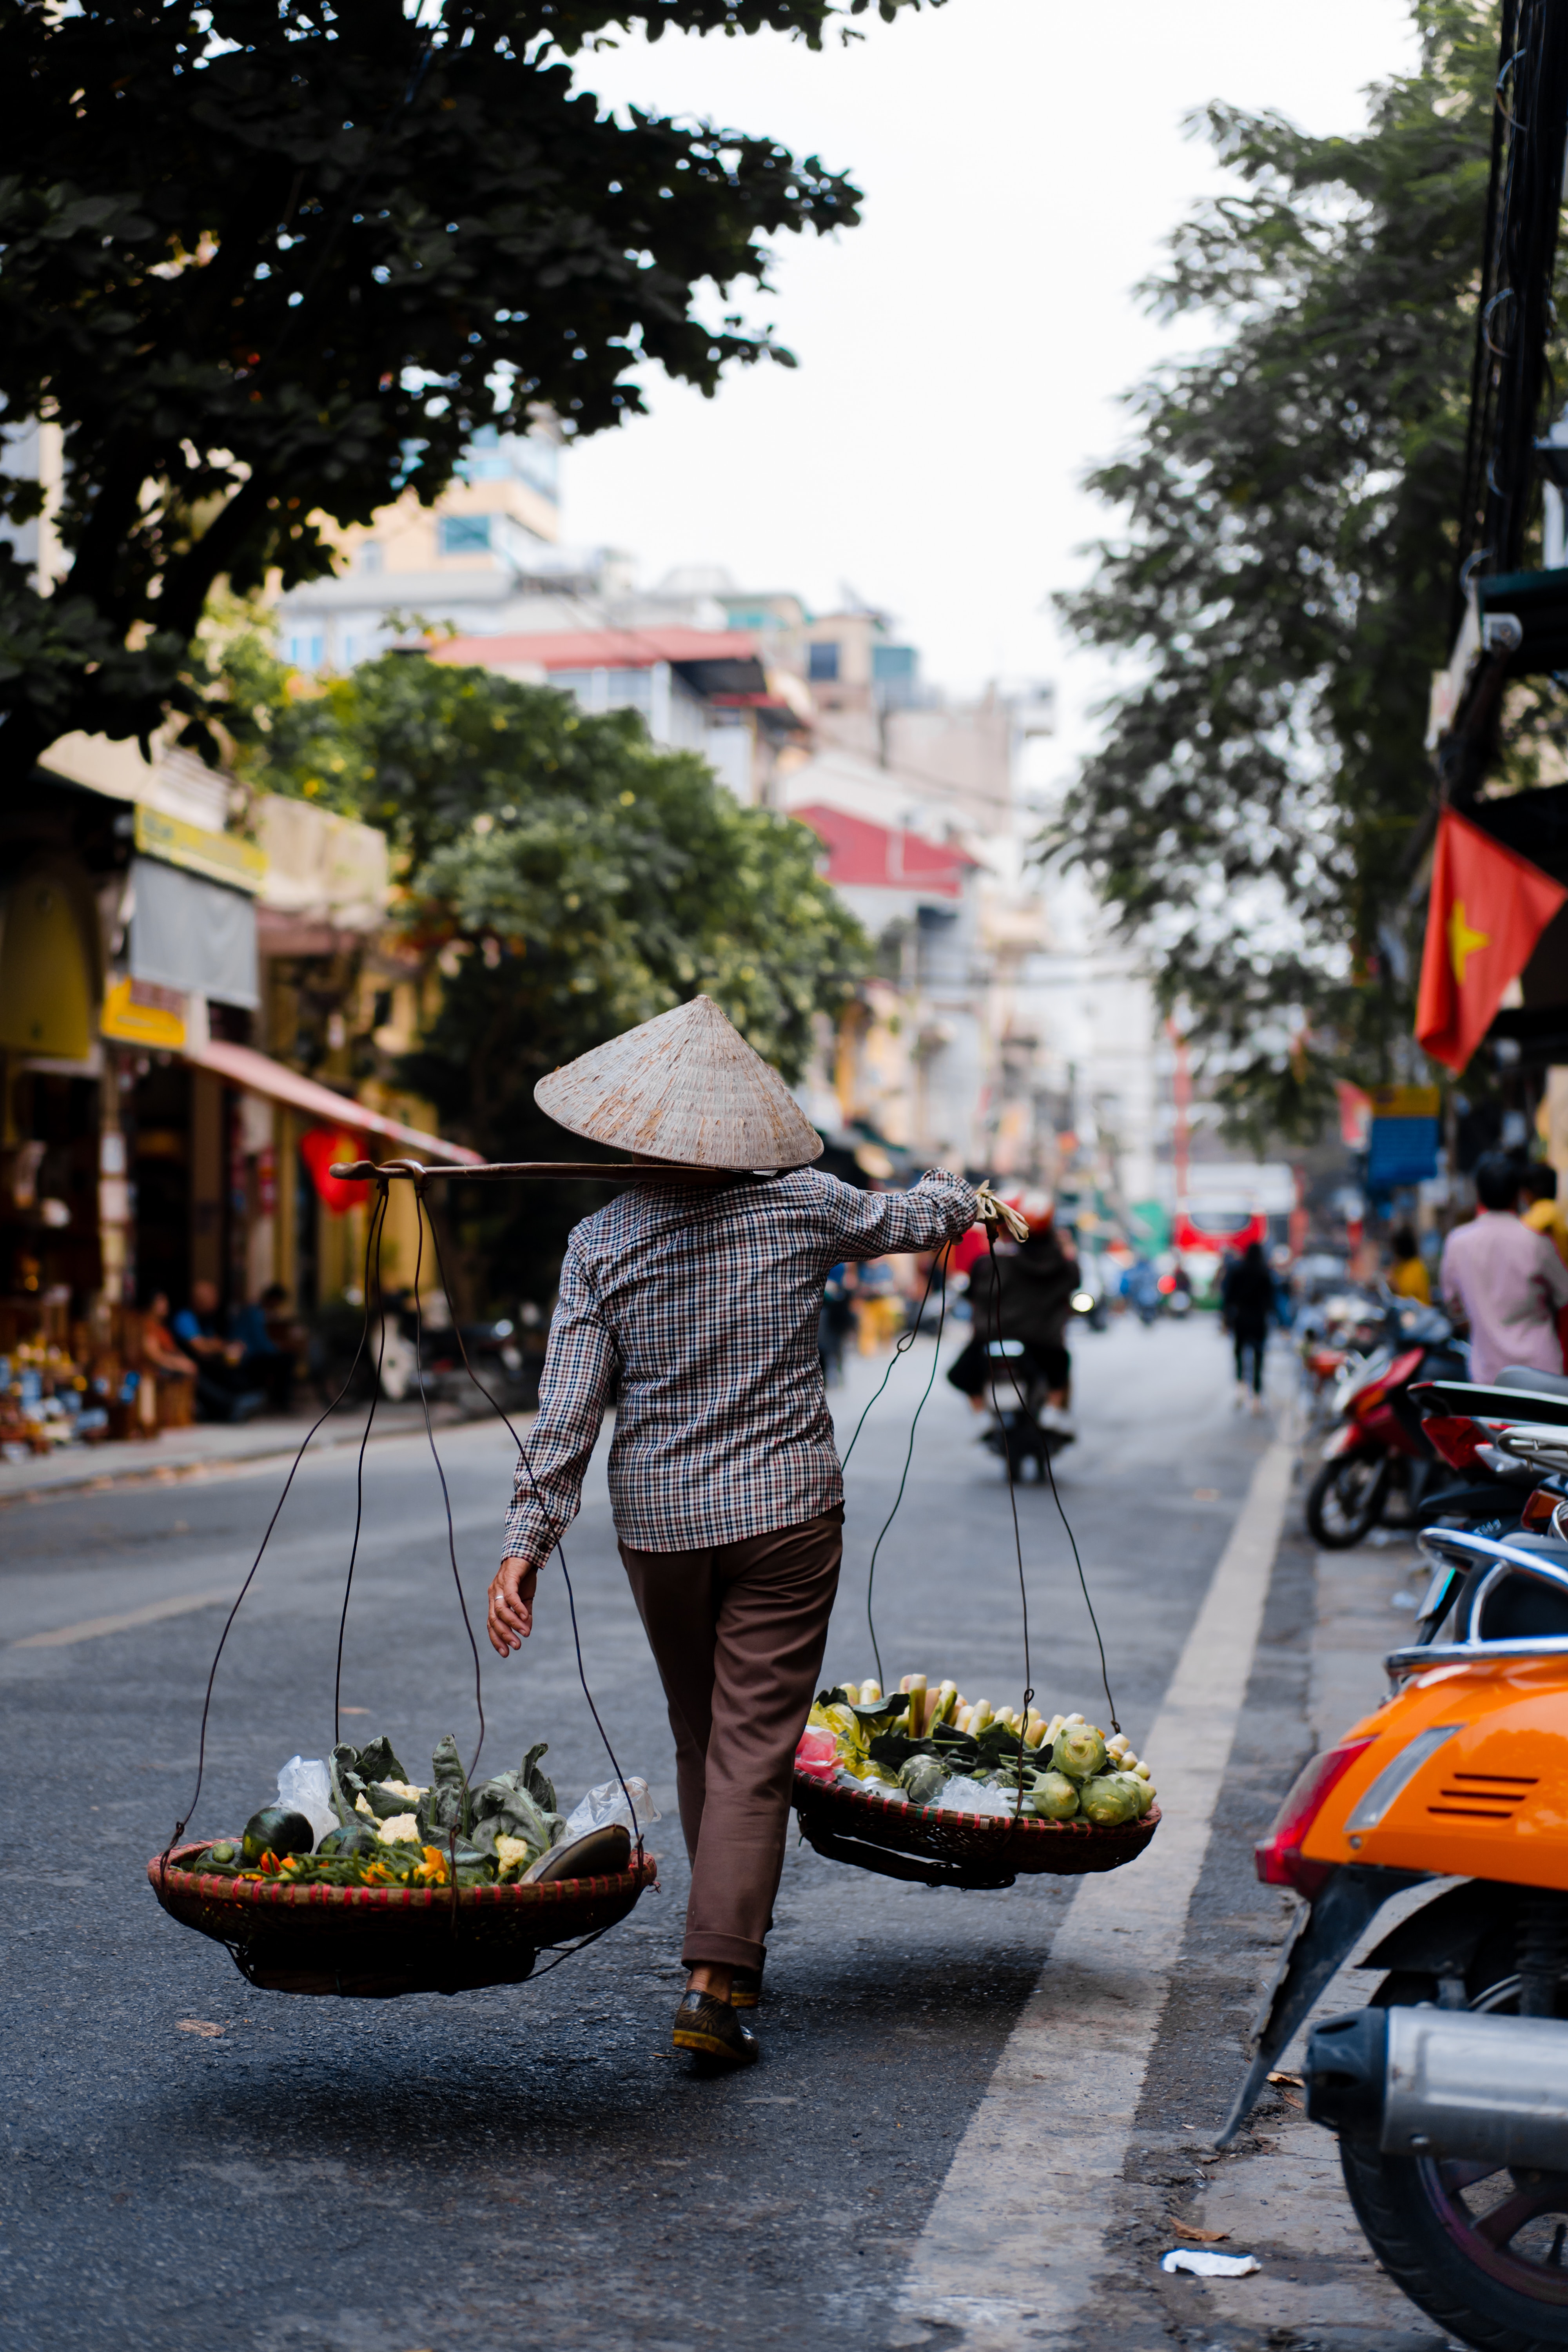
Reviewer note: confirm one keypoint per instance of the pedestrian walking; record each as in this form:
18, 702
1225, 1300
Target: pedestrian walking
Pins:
1506, 1282
702, 1298
1247, 1304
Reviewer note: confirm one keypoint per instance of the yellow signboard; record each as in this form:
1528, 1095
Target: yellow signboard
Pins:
1406, 1102
129, 1024
219, 857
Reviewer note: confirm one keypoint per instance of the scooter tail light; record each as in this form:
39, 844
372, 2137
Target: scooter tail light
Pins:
1279, 1859
1456, 1437
1537, 1513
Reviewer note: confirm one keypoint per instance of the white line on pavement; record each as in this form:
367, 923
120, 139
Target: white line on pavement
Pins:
148, 1615
1003, 2264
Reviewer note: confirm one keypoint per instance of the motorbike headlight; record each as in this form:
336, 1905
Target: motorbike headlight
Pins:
1083, 1302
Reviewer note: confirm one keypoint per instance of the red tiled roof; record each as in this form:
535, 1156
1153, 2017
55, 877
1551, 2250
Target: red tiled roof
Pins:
883, 857
600, 648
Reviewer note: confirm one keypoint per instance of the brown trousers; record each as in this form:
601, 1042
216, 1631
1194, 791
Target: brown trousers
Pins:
738, 1634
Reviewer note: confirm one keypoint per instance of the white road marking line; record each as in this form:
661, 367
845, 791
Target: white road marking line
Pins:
148, 1615
1003, 2264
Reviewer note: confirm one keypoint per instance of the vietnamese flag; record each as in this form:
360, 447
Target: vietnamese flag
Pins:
319, 1147
1489, 907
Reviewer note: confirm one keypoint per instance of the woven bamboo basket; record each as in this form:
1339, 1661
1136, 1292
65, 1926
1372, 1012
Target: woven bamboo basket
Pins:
371, 1942
951, 1849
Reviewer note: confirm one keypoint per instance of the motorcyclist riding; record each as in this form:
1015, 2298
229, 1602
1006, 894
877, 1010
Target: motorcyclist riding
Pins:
1024, 1292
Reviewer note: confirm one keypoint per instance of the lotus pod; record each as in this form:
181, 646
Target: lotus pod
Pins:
923, 1780
1054, 1797
1109, 1799
1079, 1751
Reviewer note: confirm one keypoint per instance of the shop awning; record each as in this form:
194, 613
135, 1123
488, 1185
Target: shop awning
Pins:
242, 1066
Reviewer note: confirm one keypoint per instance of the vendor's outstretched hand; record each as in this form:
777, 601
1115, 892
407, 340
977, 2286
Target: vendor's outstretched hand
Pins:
511, 1618
994, 1212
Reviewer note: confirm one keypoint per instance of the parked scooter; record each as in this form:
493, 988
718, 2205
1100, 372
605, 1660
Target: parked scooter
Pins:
1379, 1452
1449, 2090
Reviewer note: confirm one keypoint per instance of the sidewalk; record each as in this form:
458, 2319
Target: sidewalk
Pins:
208, 1446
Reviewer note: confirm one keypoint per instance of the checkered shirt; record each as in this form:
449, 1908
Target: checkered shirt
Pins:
704, 1303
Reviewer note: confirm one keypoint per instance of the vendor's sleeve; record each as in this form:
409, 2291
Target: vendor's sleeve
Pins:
572, 1393
938, 1209
185, 1325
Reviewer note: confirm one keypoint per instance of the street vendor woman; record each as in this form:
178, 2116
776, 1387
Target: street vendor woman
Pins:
697, 1295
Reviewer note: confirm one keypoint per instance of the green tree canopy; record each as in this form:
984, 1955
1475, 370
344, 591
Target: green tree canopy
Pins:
267, 260
1282, 585
568, 877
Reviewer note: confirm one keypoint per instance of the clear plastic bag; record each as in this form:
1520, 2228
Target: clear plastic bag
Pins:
305, 1786
963, 1795
606, 1804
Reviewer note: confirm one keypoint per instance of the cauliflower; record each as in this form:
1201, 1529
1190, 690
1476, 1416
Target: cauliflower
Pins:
404, 1789
400, 1830
512, 1853
363, 1805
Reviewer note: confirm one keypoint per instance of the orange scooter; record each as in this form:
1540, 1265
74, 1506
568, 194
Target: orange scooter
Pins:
1450, 2091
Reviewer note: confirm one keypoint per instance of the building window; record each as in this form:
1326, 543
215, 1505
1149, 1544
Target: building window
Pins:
307, 648
465, 534
348, 645
822, 663
629, 689
371, 555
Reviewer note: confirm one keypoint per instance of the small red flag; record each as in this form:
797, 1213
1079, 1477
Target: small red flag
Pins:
319, 1147
1489, 907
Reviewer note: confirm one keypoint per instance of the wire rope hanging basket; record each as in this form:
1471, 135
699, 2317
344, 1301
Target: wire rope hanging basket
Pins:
298, 1921
899, 1826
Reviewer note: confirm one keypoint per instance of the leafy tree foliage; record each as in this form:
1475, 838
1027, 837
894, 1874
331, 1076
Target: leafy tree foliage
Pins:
567, 879
264, 261
1282, 587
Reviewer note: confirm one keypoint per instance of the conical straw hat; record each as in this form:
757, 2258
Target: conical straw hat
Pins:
683, 1086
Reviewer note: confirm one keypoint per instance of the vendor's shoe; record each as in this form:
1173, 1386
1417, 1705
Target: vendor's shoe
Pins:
711, 2029
745, 1988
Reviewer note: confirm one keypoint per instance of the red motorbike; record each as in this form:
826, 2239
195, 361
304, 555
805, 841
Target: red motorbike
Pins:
1380, 1451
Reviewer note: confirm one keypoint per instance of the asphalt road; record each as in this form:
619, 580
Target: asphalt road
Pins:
533, 2165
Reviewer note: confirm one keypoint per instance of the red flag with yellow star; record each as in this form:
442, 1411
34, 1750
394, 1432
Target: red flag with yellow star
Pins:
1489, 906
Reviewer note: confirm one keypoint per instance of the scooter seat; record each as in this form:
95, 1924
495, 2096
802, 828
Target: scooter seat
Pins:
1526, 1376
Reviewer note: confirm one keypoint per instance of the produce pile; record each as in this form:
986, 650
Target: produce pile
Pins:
392, 1831
934, 1747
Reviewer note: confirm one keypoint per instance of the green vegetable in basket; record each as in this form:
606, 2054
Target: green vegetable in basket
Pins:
923, 1780
376, 1762
222, 1855
349, 1839
446, 1803
1054, 1797
1079, 1751
278, 1830
1109, 1799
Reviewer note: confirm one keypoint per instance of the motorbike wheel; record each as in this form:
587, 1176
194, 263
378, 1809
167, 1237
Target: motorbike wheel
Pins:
1345, 1500
1478, 2249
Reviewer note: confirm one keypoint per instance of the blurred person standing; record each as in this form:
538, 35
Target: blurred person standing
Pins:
1507, 1281
1545, 1215
1408, 1276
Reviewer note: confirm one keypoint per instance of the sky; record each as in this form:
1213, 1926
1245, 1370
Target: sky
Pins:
961, 351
